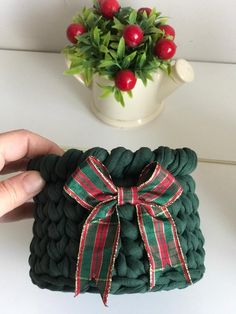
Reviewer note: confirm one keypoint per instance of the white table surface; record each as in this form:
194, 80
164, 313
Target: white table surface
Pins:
35, 95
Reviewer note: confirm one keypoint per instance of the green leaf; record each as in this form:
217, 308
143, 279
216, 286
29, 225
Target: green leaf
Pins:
142, 77
106, 63
170, 37
166, 67
151, 19
78, 62
130, 94
106, 39
88, 75
125, 63
155, 30
128, 59
106, 91
84, 49
86, 12
73, 71
124, 13
106, 57
117, 24
113, 53
133, 17
114, 45
132, 56
78, 19
104, 25
149, 76
169, 69
145, 14
95, 4
119, 97
115, 38
121, 48
96, 35
90, 20
143, 59
122, 100
83, 40
155, 63
103, 49
163, 20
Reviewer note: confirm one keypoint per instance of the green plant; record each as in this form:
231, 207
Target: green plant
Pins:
104, 48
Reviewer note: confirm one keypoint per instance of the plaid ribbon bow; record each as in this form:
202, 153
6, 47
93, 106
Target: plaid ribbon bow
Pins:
92, 187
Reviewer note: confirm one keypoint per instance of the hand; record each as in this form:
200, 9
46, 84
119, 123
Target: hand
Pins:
16, 149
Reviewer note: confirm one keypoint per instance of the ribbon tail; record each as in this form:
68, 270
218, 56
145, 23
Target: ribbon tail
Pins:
97, 252
178, 247
161, 242
81, 283
105, 278
143, 233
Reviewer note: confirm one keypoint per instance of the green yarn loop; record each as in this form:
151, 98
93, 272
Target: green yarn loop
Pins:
59, 220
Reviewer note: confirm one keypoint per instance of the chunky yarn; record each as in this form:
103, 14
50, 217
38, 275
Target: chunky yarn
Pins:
59, 221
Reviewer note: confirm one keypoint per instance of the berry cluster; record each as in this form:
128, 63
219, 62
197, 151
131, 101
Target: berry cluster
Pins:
134, 35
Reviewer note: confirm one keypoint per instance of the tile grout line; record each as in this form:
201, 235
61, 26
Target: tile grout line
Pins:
217, 161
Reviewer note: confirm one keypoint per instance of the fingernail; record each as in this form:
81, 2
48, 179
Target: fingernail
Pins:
33, 183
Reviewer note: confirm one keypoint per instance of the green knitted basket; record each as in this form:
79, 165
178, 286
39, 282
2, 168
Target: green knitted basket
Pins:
59, 220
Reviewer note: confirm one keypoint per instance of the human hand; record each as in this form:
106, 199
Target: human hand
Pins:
16, 149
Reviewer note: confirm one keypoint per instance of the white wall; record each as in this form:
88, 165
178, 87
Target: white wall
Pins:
206, 30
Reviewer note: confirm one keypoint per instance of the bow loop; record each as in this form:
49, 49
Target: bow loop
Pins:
91, 184
160, 188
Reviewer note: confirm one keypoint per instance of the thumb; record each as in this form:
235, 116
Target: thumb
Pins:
17, 190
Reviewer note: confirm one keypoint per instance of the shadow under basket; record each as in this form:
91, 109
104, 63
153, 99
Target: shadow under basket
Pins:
59, 219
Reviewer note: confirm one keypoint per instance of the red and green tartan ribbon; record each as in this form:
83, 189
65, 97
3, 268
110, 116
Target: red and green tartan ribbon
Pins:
92, 187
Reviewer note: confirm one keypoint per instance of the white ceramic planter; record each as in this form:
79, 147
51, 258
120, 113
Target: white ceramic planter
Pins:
146, 103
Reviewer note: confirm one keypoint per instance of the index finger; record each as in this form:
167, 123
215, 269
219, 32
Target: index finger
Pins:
18, 144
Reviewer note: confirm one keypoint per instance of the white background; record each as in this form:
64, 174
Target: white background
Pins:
205, 29
34, 94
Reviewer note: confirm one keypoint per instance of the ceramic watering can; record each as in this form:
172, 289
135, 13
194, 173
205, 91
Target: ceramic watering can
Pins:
147, 101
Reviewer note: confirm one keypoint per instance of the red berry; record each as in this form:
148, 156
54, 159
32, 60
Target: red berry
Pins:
109, 8
133, 35
147, 10
125, 80
74, 30
165, 49
168, 30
